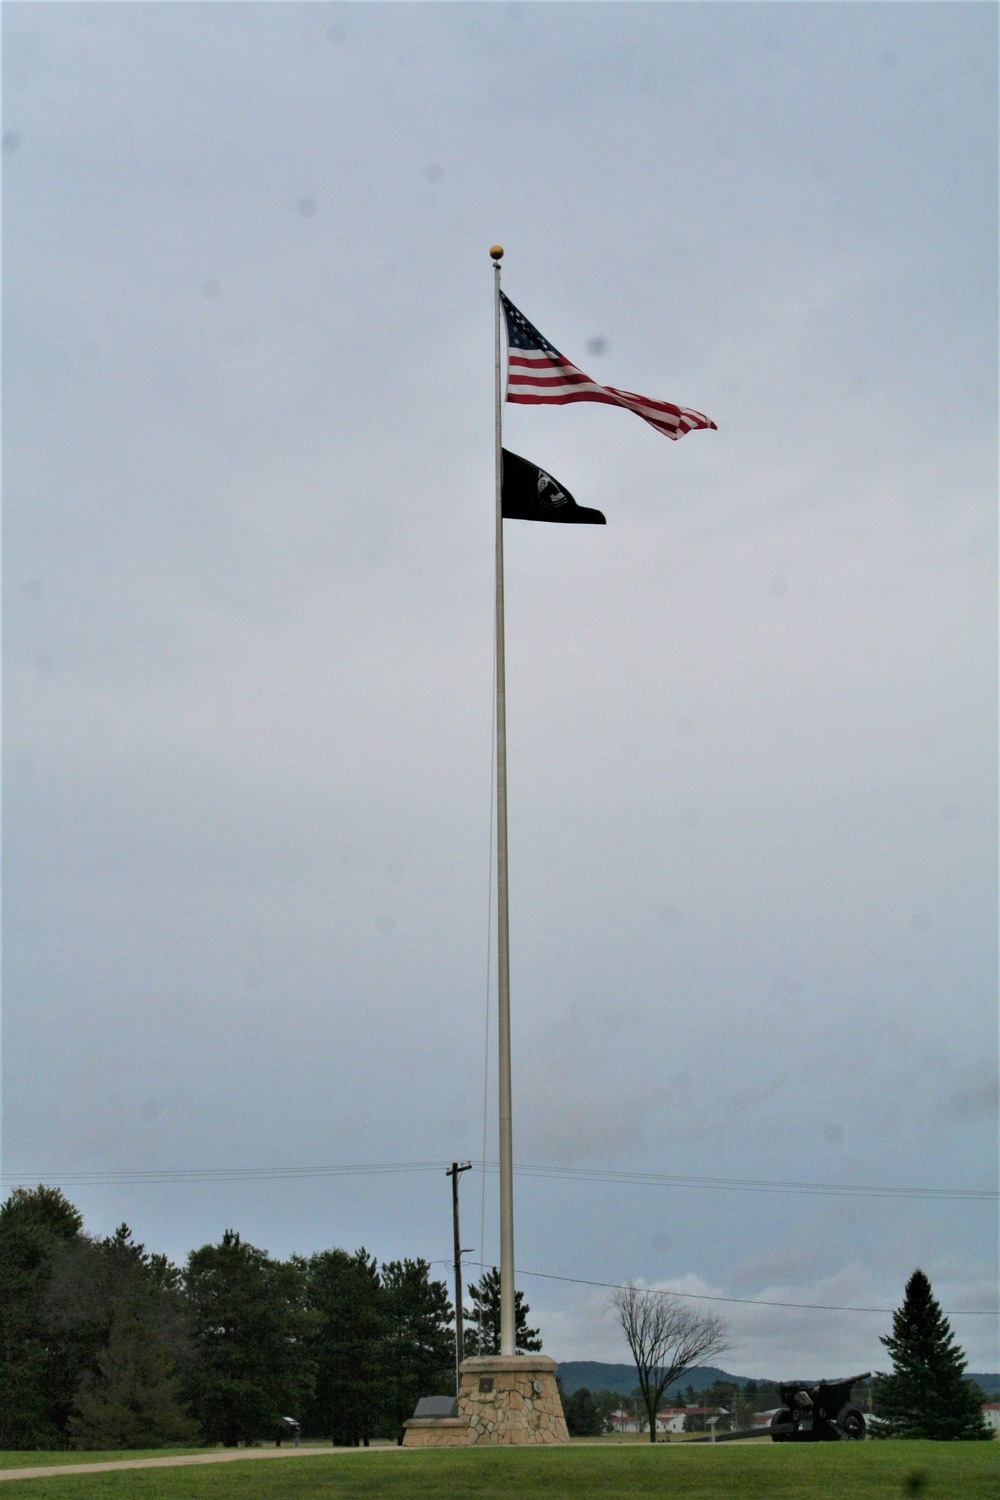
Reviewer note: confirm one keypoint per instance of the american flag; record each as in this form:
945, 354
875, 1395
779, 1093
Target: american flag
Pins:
537, 373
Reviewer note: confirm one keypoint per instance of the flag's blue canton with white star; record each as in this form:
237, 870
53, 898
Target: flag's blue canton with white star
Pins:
538, 374
520, 333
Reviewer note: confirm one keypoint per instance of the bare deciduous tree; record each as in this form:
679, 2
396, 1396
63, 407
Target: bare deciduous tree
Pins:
667, 1336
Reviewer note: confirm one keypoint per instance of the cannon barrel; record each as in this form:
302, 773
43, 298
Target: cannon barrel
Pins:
802, 1385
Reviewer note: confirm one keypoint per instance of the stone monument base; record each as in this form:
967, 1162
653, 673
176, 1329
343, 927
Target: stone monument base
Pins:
436, 1432
501, 1400
512, 1400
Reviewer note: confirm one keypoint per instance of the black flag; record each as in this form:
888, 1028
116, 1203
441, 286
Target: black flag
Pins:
530, 494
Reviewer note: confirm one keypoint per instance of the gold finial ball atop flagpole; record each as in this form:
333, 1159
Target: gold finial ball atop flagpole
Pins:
497, 252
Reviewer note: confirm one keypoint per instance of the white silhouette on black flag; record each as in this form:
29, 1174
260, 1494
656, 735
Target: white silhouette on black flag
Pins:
531, 494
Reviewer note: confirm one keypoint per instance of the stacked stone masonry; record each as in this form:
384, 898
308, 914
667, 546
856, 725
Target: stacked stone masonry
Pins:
436, 1432
512, 1400
500, 1401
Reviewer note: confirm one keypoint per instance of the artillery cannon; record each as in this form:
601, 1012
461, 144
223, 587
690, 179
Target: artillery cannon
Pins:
818, 1413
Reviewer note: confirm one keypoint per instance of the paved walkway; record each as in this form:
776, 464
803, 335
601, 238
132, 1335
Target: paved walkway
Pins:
213, 1456
242, 1455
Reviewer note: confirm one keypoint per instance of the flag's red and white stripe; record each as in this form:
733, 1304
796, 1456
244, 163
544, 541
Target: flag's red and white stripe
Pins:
535, 377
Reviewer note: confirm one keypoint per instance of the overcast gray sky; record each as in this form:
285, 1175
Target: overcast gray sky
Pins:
248, 447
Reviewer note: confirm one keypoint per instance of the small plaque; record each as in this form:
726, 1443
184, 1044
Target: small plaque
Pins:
485, 1384
436, 1407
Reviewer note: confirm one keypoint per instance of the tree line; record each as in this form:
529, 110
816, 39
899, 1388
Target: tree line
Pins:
104, 1344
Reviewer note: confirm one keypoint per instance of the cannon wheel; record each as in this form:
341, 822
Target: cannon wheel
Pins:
851, 1423
784, 1415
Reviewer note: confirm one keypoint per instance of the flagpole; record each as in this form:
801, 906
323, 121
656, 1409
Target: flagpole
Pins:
508, 1340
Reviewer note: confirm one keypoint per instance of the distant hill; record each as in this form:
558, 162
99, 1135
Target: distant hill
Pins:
623, 1379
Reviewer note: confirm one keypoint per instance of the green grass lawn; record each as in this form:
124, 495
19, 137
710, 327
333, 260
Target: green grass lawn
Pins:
30, 1458
804, 1471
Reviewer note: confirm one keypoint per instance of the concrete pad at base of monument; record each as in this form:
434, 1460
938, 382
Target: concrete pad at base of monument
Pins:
511, 1400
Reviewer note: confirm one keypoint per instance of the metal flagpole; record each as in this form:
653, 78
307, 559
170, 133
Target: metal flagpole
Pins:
507, 1319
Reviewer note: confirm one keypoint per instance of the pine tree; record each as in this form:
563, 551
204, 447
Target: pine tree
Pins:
348, 1346
92, 1281
134, 1399
927, 1395
482, 1324
419, 1350
36, 1226
251, 1324
583, 1415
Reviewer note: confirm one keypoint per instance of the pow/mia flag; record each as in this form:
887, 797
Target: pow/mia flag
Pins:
530, 494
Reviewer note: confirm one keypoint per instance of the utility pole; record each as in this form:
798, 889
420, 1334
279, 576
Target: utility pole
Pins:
454, 1172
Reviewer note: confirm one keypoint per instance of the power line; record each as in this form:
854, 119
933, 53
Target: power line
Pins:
752, 1185
616, 1286
154, 1175
167, 1175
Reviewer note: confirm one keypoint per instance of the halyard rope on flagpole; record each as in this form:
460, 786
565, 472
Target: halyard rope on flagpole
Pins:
507, 1323
489, 958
